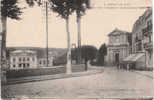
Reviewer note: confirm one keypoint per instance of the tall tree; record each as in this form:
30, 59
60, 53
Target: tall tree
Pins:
9, 9
80, 7
88, 53
64, 9
101, 53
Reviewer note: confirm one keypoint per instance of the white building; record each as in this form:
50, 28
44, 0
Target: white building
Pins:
22, 59
119, 46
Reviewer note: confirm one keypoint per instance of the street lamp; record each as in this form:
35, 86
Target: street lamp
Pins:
74, 53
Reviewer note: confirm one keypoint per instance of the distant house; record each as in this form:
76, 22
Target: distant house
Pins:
119, 46
23, 59
26, 53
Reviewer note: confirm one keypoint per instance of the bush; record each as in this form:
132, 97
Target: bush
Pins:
62, 60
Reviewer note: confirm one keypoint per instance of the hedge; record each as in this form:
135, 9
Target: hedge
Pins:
35, 72
42, 71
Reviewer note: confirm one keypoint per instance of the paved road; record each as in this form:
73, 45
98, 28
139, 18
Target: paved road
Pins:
112, 83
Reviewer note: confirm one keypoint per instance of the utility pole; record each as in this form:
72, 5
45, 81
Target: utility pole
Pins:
46, 6
0, 35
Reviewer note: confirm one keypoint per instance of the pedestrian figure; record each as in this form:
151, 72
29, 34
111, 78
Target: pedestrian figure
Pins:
128, 67
117, 65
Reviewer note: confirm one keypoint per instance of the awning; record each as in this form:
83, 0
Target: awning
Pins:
133, 57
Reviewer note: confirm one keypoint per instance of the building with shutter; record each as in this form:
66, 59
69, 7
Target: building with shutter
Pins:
142, 42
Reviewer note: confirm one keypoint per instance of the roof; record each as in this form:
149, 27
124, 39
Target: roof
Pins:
41, 52
117, 31
133, 57
23, 51
144, 16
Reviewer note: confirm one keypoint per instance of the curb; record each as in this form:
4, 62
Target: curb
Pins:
144, 74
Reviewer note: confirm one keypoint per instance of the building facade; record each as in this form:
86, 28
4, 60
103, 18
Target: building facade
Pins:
142, 38
23, 59
119, 46
148, 38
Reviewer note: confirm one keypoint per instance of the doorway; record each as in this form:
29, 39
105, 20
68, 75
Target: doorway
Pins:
117, 58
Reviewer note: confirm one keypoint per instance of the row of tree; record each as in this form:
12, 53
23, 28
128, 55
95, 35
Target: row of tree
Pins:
90, 53
64, 8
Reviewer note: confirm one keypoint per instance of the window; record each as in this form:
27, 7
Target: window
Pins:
117, 39
14, 65
150, 55
150, 39
20, 65
48, 61
24, 65
24, 59
27, 65
19, 59
33, 59
40, 62
149, 23
14, 59
44, 62
139, 46
27, 59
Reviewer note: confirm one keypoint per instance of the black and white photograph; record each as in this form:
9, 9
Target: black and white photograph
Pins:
76, 49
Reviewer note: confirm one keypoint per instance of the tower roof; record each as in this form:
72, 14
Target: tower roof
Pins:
117, 31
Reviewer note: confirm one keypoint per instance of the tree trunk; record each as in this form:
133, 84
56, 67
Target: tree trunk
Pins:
3, 50
68, 65
79, 37
3, 43
103, 60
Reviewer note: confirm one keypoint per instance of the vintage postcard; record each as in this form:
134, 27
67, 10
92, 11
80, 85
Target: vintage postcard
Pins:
76, 49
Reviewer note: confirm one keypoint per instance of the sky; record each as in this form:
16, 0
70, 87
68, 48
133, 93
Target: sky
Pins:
96, 24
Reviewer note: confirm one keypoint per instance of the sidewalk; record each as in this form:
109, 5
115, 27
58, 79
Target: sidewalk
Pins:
146, 73
51, 77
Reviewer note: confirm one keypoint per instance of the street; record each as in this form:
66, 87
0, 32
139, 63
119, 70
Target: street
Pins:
111, 83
